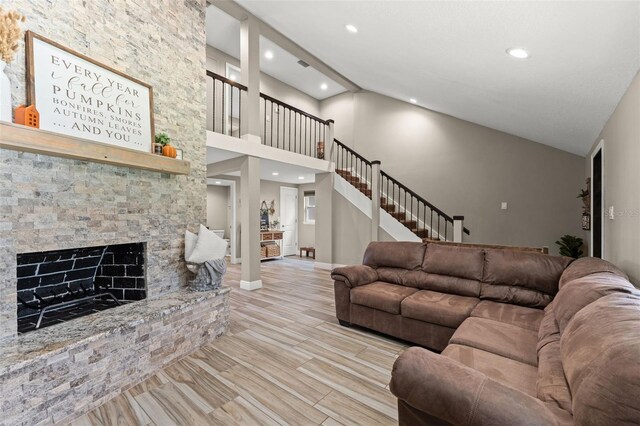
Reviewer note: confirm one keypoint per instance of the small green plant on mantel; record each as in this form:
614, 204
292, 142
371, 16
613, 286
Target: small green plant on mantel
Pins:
163, 139
570, 246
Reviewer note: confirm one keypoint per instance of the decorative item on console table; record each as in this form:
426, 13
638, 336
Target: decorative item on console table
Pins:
10, 33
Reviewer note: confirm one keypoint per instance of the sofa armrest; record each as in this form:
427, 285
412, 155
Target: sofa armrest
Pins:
356, 275
448, 390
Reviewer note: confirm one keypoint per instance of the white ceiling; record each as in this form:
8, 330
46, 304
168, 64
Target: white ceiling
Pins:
451, 57
223, 33
287, 173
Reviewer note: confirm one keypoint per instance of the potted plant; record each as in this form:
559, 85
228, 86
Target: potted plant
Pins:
163, 145
570, 246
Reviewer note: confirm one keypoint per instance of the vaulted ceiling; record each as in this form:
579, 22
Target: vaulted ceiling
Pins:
451, 57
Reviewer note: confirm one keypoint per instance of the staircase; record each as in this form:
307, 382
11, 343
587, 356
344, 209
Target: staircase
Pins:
415, 213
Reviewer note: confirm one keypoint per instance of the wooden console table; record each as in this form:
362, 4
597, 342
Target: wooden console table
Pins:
271, 237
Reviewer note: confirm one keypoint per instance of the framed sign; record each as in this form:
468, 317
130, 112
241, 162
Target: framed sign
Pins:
80, 97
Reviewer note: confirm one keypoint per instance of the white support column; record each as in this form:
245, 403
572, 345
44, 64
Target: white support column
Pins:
250, 69
324, 220
250, 223
375, 200
458, 228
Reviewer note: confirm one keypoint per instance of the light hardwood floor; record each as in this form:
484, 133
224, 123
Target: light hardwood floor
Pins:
285, 360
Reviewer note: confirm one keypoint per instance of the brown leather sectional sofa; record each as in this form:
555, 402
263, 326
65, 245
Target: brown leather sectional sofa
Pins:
526, 338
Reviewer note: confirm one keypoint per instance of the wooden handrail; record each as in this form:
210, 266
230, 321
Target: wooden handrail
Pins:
292, 108
226, 80
351, 151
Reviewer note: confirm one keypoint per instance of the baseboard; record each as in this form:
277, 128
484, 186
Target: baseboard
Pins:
250, 285
326, 266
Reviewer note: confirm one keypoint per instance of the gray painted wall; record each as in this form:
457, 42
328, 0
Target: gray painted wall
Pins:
466, 169
306, 232
218, 208
621, 137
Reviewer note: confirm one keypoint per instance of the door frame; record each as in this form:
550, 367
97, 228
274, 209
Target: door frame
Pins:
599, 148
297, 239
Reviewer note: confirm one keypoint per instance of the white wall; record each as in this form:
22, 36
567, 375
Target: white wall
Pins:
621, 153
467, 169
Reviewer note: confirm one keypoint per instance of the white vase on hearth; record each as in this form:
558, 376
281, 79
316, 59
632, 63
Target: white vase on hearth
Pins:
5, 94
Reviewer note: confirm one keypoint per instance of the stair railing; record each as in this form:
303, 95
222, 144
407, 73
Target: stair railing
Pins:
423, 218
226, 105
419, 215
347, 160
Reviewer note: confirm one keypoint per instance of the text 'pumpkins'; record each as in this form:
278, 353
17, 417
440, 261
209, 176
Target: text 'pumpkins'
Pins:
169, 151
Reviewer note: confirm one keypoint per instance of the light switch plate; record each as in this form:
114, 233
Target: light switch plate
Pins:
503, 206
612, 213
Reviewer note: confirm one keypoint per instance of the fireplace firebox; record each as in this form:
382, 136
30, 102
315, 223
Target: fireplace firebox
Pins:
60, 285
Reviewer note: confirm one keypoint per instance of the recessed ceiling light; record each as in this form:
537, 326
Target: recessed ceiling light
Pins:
518, 53
324, 86
233, 77
301, 177
218, 182
268, 54
275, 173
351, 28
413, 101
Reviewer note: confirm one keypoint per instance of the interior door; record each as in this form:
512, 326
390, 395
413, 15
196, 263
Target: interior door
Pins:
289, 220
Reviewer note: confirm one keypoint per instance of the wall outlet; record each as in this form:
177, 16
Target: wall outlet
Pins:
503, 206
612, 213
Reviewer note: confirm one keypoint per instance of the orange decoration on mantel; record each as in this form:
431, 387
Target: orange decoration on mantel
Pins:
169, 151
28, 116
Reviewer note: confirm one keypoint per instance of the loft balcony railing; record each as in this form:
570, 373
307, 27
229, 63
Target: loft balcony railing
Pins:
226, 105
282, 126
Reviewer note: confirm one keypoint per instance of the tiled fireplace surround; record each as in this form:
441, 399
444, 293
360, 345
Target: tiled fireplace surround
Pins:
49, 203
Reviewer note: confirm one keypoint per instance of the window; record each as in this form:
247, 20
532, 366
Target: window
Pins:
309, 208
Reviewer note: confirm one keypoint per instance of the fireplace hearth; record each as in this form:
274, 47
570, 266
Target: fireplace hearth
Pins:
58, 286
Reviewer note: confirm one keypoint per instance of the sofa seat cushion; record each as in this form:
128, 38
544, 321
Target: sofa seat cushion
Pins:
512, 373
499, 338
449, 310
383, 296
519, 316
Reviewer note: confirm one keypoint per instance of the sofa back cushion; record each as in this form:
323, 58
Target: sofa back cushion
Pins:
522, 278
600, 350
578, 293
441, 283
462, 262
587, 266
394, 254
551, 385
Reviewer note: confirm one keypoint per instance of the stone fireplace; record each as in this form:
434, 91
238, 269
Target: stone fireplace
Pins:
60, 285
54, 204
